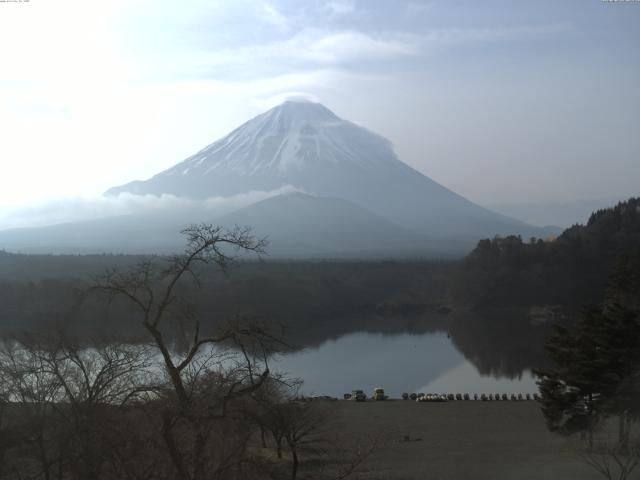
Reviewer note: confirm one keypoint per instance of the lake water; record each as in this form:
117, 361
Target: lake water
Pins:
398, 363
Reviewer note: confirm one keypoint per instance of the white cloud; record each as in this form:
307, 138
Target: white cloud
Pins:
77, 209
65, 45
340, 7
308, 48
277, 99
346, 49
350, 46
272, 16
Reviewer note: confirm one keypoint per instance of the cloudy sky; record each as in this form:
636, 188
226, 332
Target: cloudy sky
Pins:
501, 101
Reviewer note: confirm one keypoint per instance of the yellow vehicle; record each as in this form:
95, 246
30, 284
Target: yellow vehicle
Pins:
378, 394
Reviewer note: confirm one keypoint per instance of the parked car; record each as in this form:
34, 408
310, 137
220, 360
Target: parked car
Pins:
358, 395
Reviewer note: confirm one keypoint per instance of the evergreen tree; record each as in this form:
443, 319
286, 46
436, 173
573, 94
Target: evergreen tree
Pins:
596, 362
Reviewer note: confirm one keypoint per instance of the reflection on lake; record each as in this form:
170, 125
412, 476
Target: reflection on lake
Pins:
398, 363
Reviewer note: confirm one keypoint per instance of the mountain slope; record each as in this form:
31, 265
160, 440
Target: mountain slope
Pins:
297, 225
306, 145
303, 225
139, 234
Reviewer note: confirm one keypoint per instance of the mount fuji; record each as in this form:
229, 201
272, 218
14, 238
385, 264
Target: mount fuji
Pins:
307, 146
347, 195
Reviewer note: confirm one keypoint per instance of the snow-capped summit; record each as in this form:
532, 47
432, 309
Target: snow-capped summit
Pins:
299, 111
307, 146
285, 140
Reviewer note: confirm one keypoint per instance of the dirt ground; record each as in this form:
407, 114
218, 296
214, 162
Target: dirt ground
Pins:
461, 440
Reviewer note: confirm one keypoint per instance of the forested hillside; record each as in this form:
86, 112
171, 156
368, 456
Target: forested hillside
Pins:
570, 270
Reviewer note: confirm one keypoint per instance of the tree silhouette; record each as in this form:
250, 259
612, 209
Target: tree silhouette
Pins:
595, 371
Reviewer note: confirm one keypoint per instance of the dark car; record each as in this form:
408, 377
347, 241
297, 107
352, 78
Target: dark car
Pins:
358, 396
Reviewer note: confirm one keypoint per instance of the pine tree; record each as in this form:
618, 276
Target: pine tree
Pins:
595, 369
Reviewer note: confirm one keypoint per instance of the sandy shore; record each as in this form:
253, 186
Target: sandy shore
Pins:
461, 440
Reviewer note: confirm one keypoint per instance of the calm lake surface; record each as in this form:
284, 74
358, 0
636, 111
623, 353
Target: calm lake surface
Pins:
398, 363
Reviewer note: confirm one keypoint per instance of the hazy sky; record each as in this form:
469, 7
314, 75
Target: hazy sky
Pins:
502, 101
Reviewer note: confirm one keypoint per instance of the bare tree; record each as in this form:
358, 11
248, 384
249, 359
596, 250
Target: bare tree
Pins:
184, 406
304, 421
614, 460
152, 290
6, 443
269, 408
205, 377
307, 430
32, 394
64, 395
94, 378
